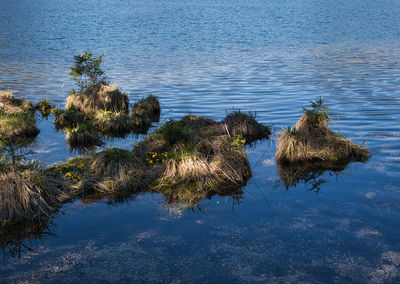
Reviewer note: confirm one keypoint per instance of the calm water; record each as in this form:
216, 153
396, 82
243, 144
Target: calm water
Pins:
207, 57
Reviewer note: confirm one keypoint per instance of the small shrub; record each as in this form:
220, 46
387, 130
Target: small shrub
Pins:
318, 112
238, 142
87, 72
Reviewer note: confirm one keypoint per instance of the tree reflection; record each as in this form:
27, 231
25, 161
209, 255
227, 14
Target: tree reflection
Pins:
16, 239
308, 174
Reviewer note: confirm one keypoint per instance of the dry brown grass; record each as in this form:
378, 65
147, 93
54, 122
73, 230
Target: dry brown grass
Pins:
10, 104
246, 125
17, 118
147, 109
104, 98
110, 173
313, 141
203, 158
112, 123
121, 171
27, 194
213, 166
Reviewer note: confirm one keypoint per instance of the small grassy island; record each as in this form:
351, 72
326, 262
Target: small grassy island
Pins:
310, 145
99, 110
17, 119
185, 160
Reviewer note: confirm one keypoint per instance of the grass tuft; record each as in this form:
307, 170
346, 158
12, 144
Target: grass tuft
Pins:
311, 144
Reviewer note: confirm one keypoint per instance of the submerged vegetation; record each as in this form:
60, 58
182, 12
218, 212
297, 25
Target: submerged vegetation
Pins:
310, 145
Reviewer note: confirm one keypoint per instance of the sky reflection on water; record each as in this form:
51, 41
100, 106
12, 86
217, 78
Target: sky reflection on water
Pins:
206, 58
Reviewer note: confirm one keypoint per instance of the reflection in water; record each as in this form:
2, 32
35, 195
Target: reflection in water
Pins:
83, 143
202, 58
16, 149
191, 201
309, 174
16, 239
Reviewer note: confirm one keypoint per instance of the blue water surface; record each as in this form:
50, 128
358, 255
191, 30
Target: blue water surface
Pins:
206, 58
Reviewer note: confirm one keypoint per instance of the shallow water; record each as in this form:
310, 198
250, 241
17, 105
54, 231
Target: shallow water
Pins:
205, 58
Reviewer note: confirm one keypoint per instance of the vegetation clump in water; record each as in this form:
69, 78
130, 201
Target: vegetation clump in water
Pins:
98, 98
99, 109
187, 159
246, 126
26, 192
44, 107
198, 156
310, 145
145, 111
17, 118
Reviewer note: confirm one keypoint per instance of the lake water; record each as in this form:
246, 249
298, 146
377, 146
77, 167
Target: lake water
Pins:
206, 58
